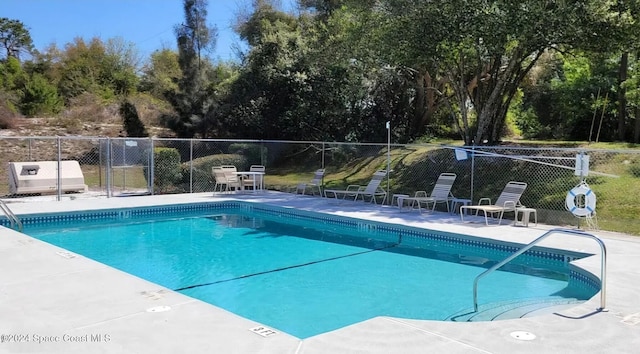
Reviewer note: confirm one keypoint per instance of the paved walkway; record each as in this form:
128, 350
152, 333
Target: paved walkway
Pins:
52, 301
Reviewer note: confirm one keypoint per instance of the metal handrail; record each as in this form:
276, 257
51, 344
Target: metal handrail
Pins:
603, 263
13, 219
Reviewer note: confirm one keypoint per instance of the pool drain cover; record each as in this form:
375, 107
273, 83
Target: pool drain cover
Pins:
159, 309
522, 335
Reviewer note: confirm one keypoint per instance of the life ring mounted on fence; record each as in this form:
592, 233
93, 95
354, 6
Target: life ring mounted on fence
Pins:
587, 204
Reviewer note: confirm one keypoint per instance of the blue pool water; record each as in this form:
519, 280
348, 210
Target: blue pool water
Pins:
303, 277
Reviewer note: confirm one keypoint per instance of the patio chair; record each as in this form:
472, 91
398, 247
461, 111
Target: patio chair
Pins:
508, 201
220, 179
316, 182
226, 178
371, 190
248, 181
441, 193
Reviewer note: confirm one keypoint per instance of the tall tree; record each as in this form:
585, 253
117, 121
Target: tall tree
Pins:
195, 101
265, 93
14, 38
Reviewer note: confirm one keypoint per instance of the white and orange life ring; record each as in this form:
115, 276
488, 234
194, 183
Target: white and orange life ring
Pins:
585, 209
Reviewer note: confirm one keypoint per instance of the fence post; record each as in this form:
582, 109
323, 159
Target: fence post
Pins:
59, 176
151, 168
388, 161
473, 162
190, 165
108, 169
100, 162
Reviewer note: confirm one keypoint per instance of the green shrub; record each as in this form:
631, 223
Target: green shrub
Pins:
39, 97
254, 152
166, 168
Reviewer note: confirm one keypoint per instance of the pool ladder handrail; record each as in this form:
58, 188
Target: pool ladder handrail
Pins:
603, 263
13, 219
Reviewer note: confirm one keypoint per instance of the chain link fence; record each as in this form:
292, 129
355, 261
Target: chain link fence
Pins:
129, 166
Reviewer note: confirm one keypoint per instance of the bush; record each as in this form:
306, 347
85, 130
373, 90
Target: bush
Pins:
40, 97
7, 110
254, 153
166, 168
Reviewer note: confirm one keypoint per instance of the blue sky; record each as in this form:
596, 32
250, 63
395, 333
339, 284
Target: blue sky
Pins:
147, 23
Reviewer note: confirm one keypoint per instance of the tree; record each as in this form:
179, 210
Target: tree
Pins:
14, 38
131, 121
632, 92
11, 74
104, 69
195, 35
265, 92
525, 32
301, 80
195, 100
39, 97
483, 50
161, 74
121, 60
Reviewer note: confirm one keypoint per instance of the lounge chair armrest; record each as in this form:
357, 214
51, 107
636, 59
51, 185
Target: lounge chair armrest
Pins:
485, 200
420, 194
353, 187
509, 204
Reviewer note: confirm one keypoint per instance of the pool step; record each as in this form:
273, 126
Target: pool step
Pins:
514, 309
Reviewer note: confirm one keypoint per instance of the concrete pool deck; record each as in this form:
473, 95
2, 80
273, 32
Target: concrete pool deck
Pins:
54, 301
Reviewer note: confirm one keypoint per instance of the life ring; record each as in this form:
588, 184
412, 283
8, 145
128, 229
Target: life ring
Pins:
589, 201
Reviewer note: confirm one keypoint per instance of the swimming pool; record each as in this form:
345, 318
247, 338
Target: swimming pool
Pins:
313, 273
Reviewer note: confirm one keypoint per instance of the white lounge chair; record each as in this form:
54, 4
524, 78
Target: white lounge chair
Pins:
316, 182
441, 193
508, 201
371, 190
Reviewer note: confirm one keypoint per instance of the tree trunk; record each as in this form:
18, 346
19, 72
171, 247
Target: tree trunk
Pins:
427, 101
622, 101
420, 106
636, 133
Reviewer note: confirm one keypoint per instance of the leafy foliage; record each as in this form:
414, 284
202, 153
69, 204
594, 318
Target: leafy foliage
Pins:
131, 121
195, 101
166, 169
161, 74
340, 69
14, 38
39, 97
103, 69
